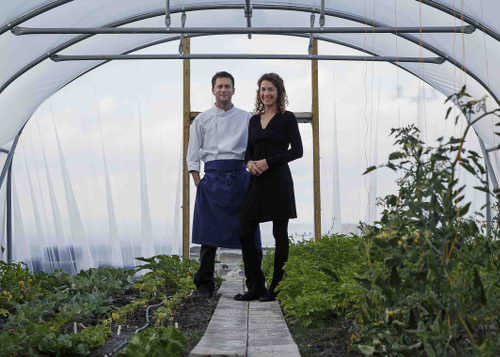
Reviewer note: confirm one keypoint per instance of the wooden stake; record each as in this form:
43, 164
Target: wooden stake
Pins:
185, 173
315, 135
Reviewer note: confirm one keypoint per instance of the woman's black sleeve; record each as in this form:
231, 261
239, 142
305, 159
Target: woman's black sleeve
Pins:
249, 150
295, 151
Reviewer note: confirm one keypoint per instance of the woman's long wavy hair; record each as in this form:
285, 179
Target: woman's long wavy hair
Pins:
277, 81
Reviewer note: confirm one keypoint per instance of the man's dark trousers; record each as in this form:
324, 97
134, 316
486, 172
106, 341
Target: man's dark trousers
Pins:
204, 277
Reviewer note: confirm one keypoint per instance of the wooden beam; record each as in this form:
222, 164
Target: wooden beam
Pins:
315, 135
185, 174
302, 117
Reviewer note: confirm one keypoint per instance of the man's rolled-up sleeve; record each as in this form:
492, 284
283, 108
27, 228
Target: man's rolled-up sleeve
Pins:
195, 141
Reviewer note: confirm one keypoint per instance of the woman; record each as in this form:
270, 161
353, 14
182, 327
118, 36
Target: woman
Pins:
273, 141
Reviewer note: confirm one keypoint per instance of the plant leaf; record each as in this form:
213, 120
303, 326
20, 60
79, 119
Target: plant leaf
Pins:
366, 350
448, 112
371, 168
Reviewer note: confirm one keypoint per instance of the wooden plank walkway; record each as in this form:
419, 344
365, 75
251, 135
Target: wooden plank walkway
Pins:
245, 329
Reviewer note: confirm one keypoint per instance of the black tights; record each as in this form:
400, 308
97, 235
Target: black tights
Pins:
255, 279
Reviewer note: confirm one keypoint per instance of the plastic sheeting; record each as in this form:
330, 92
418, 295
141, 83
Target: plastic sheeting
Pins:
475, 52
27, 81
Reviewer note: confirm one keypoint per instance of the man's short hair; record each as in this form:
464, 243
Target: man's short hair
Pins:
222, 74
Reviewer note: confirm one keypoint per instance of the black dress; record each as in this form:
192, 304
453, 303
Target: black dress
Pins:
270, 195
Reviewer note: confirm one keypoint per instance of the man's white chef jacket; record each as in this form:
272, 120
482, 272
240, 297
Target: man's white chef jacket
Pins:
217, 135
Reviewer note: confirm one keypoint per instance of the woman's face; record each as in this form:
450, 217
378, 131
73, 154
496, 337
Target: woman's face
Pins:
268, 93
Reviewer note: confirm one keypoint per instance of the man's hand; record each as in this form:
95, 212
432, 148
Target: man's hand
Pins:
196, 177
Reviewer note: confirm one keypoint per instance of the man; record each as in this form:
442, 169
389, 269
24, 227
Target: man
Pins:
218, 137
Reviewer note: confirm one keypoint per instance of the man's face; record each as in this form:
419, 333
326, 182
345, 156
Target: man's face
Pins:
223, 90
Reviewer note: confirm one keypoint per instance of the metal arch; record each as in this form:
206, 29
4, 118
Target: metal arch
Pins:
431, 3
278, 7
321, 38
461, 16
10, 156
161, 12
326, 39
338, 14
32, 13
153, 43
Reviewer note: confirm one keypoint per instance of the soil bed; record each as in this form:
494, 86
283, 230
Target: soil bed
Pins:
329, 340
192, 317
137, 320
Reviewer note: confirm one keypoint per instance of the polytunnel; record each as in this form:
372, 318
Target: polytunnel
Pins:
46, 45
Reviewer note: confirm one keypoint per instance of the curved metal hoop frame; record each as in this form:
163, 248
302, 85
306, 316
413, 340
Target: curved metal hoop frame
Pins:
367, 21
161, 12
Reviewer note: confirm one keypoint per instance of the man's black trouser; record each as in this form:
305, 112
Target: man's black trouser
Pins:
204, 277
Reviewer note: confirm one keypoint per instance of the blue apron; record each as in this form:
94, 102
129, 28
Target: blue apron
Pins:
219, 195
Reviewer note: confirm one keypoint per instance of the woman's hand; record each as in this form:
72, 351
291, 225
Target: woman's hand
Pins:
252, 168
261, 165
257, 167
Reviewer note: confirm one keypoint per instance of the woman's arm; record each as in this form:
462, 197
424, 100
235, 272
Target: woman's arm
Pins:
251, 167
295, 151
249, 150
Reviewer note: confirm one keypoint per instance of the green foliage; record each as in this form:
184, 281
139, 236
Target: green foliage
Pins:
422, 281
44, 308
79, 344
44, 325
171, 278
121, 314
167, 275
432, 283
156, 342
320, 278
16, 286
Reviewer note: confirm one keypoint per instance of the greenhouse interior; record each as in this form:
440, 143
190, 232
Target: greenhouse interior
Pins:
96, 102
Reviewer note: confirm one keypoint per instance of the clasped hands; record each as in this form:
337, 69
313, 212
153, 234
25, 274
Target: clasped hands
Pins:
257, 167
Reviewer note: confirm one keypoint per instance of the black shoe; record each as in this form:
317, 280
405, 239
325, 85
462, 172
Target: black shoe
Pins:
269, 296
248, 296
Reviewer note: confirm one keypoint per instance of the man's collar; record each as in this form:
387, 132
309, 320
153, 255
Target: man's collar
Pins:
222, 110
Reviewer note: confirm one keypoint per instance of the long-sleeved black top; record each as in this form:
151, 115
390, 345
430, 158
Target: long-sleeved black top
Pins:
279, 143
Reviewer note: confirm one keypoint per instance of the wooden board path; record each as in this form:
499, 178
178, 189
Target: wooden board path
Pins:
245, 329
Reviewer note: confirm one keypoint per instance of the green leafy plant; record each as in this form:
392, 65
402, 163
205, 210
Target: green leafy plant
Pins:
320, 278
42, 322
156, 342
426, 292
166, 275
43, 309
17, 285
422, 281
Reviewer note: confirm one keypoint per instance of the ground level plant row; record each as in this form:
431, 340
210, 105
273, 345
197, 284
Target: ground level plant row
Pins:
54, 314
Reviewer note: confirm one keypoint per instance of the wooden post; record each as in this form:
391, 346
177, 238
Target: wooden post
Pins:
185, 131
315, 135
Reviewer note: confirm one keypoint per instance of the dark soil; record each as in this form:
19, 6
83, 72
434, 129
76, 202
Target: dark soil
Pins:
193, 317
330, 339
134, 322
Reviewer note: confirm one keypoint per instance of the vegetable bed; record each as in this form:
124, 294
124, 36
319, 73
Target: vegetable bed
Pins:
96, 311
